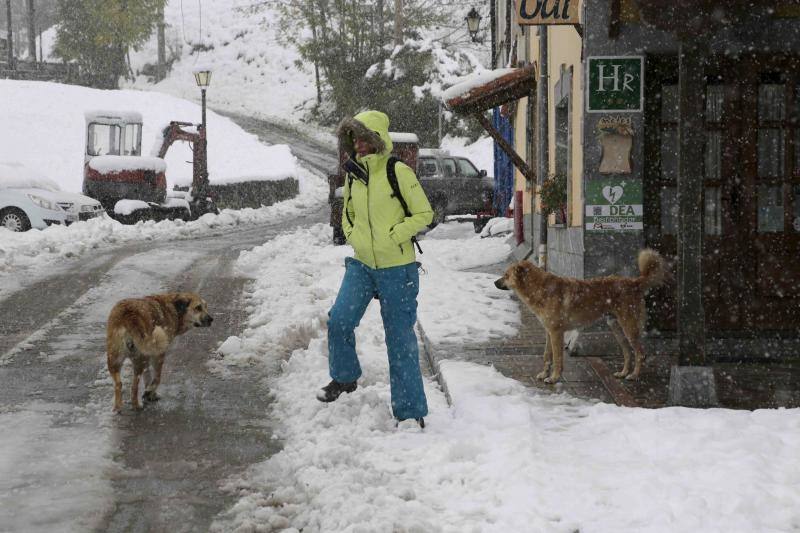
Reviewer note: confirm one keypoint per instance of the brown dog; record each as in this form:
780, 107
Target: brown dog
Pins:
563, 304
142, 329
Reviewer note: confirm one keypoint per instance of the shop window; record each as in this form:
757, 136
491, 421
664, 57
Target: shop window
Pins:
563, 142
770, 208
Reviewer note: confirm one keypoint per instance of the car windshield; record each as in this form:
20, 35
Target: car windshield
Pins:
466, 168
427, 166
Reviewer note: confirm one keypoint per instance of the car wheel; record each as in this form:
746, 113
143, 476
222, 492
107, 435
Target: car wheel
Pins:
14, 219
439, 212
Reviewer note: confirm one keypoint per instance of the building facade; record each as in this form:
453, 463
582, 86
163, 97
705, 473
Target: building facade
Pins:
677, 127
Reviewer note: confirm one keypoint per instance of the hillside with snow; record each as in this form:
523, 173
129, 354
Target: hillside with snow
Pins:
44, 129
252, 72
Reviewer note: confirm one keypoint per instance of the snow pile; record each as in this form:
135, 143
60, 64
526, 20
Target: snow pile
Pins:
297, 276
498, 226
503, 458
48, 134
128, 207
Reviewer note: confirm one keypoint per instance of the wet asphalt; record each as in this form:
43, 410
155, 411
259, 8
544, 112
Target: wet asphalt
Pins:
170, 459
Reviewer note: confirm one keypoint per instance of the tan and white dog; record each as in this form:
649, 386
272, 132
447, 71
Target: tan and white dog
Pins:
564, 304
141, 329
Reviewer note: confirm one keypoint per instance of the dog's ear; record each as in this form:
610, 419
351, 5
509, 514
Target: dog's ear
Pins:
181, 305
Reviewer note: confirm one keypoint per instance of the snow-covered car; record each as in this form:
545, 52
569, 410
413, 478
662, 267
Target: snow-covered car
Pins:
29, 200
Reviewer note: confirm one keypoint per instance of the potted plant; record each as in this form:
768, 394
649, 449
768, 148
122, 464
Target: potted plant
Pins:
553, 195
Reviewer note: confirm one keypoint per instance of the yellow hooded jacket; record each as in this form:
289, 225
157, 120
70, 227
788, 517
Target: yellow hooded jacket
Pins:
373, 220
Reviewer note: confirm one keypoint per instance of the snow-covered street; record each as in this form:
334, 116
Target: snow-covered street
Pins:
624, 175
501, 458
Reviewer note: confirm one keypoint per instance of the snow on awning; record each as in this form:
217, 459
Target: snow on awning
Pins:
490, 88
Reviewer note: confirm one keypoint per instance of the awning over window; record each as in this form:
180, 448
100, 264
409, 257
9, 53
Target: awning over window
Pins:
490, 88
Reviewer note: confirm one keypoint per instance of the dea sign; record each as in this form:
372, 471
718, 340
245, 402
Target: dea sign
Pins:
615, 84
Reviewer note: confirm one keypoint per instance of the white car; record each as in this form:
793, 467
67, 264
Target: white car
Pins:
28, 200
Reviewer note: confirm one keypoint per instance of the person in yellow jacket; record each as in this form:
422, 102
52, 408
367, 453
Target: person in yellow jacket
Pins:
384, 265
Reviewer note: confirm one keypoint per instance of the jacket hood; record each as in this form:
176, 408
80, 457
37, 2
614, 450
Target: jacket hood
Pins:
370, 125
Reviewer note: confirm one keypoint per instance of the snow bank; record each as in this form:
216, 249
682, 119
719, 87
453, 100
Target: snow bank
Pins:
48, 133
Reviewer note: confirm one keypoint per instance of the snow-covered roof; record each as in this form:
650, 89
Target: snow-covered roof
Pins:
120, 163
17, 176
433, 152
112, 117
400, 137
476, 79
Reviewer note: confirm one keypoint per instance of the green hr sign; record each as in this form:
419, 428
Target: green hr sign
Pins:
613, 204
615, 84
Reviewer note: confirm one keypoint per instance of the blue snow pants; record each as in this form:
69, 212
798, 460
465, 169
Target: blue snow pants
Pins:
397, 289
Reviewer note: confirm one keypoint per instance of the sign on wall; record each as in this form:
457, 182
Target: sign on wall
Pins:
547, 12
613, 204
615, 84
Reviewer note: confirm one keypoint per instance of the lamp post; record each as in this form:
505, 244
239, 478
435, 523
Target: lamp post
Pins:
473, 19
202, 75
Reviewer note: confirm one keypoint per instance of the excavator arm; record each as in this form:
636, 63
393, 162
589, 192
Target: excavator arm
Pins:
176, 131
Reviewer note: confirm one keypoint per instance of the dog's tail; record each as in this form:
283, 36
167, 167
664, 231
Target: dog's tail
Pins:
653, 268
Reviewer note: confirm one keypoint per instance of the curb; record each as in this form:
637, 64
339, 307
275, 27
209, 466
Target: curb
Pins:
433, 362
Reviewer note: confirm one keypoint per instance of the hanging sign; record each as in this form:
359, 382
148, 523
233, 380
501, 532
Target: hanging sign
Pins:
615, 84
613, 204
536, 12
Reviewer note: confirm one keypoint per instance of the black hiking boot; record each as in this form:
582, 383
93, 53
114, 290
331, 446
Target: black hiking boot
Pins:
334, 389
420, 421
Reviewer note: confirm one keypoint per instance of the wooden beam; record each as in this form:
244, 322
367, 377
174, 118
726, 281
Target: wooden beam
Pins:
520, 163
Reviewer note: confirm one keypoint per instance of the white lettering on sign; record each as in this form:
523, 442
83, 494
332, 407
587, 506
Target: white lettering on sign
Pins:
627, 78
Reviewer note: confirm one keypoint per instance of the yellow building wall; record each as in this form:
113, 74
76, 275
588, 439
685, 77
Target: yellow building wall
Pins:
564, 48
519, 146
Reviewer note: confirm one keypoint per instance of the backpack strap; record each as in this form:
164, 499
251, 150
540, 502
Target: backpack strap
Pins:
391, 175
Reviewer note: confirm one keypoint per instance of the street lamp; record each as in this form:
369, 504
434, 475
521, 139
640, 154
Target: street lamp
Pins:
473, 22
202, 75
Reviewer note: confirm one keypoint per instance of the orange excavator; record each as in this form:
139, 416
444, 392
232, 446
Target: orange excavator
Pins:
132, 186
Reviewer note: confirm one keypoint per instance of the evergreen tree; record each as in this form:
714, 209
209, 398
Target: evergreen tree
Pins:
97, 34
350, 42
